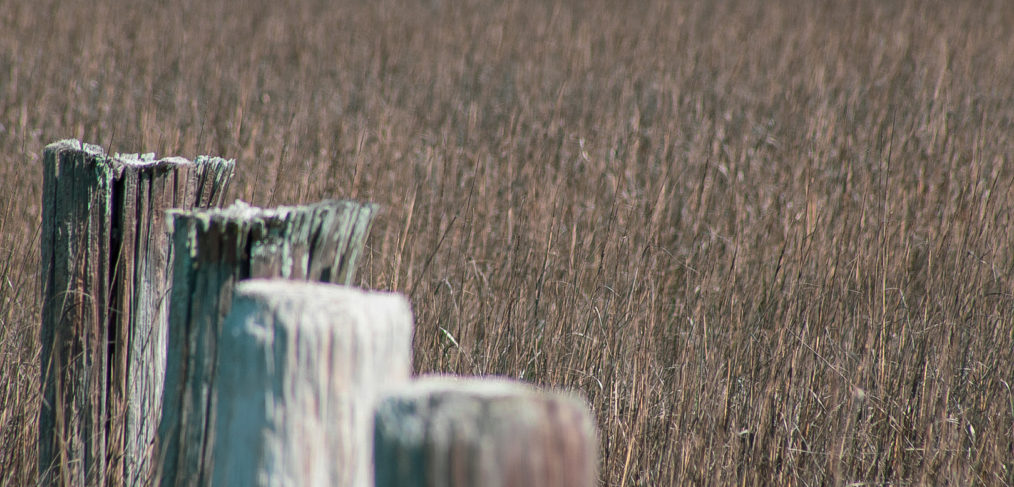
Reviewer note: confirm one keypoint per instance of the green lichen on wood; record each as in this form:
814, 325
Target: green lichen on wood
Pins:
214, 250
104, 257
75, 241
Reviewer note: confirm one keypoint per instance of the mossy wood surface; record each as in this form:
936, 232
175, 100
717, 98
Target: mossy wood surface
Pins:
215, 249
105, 257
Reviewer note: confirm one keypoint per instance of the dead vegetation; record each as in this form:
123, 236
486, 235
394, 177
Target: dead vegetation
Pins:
771, 242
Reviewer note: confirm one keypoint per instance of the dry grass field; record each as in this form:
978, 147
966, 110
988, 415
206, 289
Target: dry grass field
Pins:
771, 242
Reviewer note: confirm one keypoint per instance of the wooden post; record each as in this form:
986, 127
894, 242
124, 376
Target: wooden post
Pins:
214, 250
299, 369
442, 431
104, 277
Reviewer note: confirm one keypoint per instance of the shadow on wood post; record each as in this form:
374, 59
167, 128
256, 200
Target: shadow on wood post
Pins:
442, 431
105, 258
214, 250
299, 367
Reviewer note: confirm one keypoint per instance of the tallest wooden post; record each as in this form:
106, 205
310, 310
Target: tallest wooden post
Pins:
105, 274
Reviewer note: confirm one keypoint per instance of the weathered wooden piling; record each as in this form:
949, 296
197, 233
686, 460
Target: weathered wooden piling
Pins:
214, 250
448, 432
105, 258
299, 368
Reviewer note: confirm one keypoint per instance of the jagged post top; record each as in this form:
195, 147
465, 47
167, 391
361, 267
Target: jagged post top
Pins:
117, 162
242, 212
322, 241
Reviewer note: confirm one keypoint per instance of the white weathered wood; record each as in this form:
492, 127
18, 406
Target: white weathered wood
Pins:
214, 250
104, 272
299, 368
442, 431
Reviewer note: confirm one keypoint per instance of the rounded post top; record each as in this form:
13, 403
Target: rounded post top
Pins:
322, 296
478, 388
450, 393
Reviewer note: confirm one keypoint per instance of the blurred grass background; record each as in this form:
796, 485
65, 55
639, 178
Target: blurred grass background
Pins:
771, 242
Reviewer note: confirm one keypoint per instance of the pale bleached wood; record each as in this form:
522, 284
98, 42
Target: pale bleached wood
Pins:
442, 431
104, 273
299, 367
214, 250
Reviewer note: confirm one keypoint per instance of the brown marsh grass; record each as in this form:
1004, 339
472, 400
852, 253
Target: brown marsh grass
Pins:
771, 242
